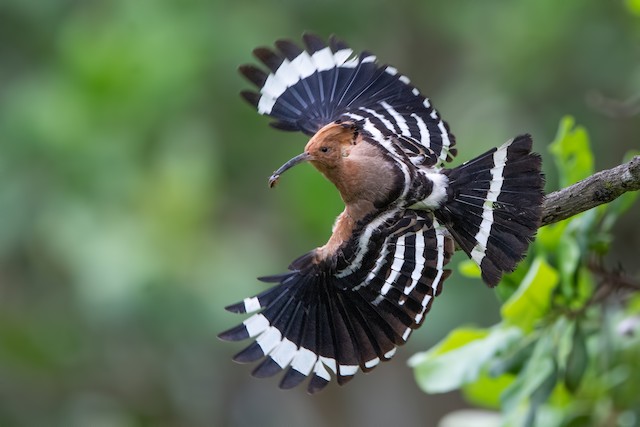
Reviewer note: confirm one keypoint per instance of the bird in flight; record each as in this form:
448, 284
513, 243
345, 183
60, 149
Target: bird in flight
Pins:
347, 305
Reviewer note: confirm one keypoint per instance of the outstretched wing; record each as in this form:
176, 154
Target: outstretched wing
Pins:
351, 313
307, 89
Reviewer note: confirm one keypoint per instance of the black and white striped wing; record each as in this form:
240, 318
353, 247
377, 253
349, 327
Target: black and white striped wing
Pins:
342, 318
307, 89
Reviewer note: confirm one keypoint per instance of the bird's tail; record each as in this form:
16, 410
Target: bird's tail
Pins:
493, 206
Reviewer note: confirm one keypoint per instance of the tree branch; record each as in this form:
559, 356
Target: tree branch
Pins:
602, 187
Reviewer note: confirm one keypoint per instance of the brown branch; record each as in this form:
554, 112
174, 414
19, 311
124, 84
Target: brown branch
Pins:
602, 187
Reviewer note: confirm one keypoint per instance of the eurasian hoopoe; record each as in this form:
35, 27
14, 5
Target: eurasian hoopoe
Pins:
349, 304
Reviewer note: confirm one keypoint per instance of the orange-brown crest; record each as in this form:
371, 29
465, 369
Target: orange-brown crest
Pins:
331, 144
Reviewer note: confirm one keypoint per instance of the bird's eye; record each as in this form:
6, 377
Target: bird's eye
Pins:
324, 149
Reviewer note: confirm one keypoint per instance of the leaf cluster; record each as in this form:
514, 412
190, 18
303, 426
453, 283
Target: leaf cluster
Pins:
566, 351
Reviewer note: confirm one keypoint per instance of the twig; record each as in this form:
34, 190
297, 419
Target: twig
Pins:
602, 187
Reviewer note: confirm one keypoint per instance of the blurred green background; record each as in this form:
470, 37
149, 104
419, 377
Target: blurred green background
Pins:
134, 203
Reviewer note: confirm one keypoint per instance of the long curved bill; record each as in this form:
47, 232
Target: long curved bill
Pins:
273, 179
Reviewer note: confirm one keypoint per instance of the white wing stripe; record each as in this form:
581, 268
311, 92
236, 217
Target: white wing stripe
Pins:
284, 353
420, 261
323, 59
363, 244
446, 143
256, 324
395, 267
287, 73
380, 261
342, 56
440, 261
303, 65
348, 370
371, 363
290, 73
380, 117
304, 360
321, 371
424, 131
329, 362
269, 339
402, 123
274, 86
251, 304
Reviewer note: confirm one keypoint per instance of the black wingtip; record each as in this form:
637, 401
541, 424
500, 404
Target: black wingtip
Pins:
313, 42
337, 44
249, 354
237, 308
288, 48
286, 126
291, 379
316, 384
253, 74
237, 333
524, 142
342, 380
268, 58
252, 98
266, 369
275, 278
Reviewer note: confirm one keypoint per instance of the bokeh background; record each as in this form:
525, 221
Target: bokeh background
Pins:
134, 203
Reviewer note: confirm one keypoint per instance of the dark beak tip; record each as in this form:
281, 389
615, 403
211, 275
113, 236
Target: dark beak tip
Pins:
273, 180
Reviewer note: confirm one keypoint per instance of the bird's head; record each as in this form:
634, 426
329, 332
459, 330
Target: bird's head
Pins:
326, 151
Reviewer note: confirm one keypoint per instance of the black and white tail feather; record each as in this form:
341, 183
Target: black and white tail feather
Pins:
353, 312
493, 206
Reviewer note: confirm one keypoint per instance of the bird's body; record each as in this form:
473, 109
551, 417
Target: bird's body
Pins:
367, 180
348, 304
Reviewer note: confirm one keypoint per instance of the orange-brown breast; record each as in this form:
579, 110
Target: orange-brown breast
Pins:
364, 178
366, 175
342, 231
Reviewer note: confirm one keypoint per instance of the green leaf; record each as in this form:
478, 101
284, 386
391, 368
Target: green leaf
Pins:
584, 289
568, 258
577, 361
533, 298
458, 338
572, 153
548, 237
487, 389
539, 370
633, 306
513, 360
471, 418
469, 268
459, 358
542, 393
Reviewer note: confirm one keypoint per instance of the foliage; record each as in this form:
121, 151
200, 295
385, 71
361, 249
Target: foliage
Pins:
566, 352
134, 204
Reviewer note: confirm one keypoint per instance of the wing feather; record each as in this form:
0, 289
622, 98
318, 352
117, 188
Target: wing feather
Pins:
325, 319
308, 88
